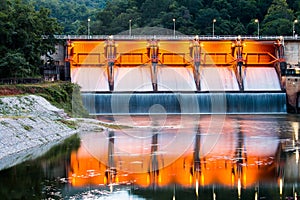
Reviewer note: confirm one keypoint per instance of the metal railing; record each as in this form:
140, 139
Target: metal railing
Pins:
170, 37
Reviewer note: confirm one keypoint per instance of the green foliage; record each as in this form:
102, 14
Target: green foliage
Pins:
64, 95
279, 19
21, 41
27, 128
70, 124
278, 27
64, 149
27, 180
14, 64
233, 17
73, 14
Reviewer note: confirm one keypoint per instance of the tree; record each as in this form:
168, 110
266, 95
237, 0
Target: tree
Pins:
278, 20
262, 7
21, 38
152, 8
279, 26
13, 65
69, 12
223, 7
192, 16
238, 28
224, 27
246, 10
193, 6
204, 21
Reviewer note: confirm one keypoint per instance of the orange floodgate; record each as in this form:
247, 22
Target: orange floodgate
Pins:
159, 65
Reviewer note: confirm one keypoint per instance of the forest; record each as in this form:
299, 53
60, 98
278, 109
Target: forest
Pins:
232, 17
28, 26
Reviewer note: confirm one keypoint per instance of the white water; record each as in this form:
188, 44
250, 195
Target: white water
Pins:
133, 79
175, 79
261, 78
90, 78
218, 79
184, 103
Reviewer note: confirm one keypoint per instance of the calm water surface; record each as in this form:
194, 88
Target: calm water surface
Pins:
168, 157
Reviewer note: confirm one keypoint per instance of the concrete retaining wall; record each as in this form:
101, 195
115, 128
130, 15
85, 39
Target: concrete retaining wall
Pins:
292, 52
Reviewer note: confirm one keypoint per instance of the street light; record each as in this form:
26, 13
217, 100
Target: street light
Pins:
130, 27
89, 27
174, 26
214, 21
295, 21
257, 21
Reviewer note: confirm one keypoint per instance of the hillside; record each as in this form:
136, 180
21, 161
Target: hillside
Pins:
233, 17
72, 15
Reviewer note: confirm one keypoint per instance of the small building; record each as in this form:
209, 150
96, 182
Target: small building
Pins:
54, 66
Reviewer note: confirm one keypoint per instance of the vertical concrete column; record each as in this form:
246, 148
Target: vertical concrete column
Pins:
195, 54
153, 52
280, 65
110, 52
237, 52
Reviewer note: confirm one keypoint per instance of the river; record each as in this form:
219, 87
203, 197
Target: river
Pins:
168, 157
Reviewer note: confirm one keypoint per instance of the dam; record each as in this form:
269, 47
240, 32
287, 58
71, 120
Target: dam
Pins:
185, 75
150, 93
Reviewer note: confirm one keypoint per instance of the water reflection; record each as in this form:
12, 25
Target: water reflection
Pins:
42, 178
245, 154
250, 157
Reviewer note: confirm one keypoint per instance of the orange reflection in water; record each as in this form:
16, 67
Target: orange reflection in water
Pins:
103, 160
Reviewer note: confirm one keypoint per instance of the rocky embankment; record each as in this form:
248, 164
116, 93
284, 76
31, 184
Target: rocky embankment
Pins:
29, 126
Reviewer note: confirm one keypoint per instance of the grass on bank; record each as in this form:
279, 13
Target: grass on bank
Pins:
64, 95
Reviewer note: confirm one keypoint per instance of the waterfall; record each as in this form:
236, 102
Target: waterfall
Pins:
133, 79
90, 79
261, 78
184, 103
218, 79
175, 79
138, 79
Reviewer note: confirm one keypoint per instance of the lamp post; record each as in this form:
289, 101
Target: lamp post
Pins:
174, 20
257, 21
130, 27
89, 27
213, 31
294, 22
